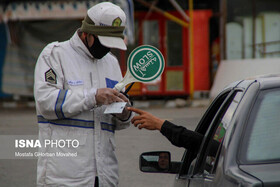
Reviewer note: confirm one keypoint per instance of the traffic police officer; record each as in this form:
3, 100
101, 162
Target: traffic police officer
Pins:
73, 83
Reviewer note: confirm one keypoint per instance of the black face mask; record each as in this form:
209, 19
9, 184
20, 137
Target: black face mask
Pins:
97, 49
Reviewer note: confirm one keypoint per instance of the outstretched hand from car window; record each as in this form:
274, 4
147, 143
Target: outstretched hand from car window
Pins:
145, 120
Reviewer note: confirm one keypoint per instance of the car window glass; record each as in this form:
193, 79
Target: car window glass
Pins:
217, 138
262, 136
188, 157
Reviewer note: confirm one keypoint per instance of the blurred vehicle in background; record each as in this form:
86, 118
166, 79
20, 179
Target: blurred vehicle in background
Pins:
244, 119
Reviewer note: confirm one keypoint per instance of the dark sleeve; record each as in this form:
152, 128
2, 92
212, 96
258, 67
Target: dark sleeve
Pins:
181, 136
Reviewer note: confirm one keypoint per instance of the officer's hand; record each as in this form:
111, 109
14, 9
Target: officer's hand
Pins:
105, 96
125, 115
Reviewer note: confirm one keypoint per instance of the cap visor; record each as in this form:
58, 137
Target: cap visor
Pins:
112, 42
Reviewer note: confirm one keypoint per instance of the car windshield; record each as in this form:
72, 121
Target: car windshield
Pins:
262, 137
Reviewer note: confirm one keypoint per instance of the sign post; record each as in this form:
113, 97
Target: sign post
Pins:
145, 63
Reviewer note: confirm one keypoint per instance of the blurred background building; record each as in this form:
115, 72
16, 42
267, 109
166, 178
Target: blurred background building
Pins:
222, 30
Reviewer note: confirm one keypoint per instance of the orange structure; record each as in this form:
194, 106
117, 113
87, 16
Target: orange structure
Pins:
173, 41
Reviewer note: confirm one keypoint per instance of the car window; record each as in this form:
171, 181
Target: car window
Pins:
262, 136
210, 147
202, 127
220, 128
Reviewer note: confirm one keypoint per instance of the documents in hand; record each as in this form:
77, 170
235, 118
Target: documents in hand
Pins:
115, 108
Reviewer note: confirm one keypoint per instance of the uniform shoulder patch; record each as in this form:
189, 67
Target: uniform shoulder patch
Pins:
50, 76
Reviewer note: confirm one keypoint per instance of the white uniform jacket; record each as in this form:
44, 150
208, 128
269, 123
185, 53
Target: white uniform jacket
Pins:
66, 79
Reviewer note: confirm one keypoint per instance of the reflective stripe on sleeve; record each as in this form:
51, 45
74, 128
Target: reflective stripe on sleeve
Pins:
68, 122
59, 103
108, 127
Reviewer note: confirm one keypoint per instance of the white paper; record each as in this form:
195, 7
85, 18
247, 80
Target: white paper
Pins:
115, 108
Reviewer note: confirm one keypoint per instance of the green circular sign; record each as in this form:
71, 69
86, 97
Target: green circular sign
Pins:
145, 63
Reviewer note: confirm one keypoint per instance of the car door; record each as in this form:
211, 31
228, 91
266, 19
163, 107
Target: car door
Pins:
202, 172
189, 156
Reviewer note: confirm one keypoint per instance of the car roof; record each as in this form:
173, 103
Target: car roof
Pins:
265, 82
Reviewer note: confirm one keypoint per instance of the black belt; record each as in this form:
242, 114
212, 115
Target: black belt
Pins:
96, 182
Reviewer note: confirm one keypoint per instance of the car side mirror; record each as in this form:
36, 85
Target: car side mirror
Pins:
158, 162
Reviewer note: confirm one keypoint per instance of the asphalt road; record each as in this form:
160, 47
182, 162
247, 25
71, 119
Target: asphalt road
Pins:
130, 142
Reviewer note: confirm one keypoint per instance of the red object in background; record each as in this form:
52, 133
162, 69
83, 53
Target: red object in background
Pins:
201, 49
202, 78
